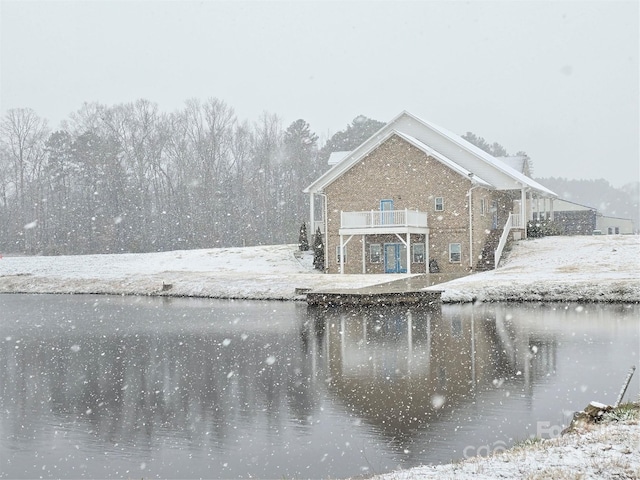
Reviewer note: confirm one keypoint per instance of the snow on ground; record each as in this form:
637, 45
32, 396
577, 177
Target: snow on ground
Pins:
598, 268
607, 451
594, 268
265, 272
576, 268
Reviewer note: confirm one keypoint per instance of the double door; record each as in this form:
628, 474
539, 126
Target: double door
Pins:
395, 258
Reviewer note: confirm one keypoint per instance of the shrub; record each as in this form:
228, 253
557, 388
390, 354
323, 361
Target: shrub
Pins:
303, 241
543, 228
318, 251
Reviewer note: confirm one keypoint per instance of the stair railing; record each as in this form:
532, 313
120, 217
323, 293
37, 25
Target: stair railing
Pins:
503, 240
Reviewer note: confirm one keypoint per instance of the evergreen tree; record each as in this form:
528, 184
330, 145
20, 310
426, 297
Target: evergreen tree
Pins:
494, 149
303, 241
360, 129
318, 251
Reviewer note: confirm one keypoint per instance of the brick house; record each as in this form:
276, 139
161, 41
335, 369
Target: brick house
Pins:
415, 198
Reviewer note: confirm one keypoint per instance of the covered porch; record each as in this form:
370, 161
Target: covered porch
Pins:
400, 223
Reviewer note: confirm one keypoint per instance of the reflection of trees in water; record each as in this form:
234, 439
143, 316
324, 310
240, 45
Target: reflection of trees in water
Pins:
128, 388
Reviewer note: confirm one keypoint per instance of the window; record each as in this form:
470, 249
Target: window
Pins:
455, 250
338, 253
375, 253
417, 254
439, 204
483, 206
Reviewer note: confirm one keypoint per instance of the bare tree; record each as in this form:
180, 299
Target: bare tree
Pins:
22, 137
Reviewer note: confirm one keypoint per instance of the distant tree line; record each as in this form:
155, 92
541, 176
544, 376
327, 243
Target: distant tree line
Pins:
130, 178
623, 202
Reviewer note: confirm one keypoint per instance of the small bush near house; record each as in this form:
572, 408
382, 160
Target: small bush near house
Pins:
303, 241
318, 251
544, 228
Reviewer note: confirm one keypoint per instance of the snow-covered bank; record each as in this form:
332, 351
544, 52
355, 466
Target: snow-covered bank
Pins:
598, 268
262, 273
578, 268
610, 450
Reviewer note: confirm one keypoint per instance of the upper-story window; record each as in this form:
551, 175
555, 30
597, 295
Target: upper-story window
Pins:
483, 206
439, 204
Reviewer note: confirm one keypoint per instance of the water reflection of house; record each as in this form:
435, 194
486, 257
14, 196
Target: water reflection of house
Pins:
401, 368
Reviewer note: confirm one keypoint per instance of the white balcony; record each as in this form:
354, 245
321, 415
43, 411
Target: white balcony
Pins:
389, 221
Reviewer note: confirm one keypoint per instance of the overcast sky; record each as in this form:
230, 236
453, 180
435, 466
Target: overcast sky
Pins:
557, 79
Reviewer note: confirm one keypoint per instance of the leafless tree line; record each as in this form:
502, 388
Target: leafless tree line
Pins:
130, 178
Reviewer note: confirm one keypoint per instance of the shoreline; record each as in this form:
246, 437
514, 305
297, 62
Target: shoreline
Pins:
547, 270
602, 269
607, 449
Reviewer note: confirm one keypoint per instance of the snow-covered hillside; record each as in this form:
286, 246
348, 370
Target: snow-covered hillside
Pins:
598, 268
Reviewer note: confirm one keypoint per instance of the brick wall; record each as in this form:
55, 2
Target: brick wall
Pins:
398, 171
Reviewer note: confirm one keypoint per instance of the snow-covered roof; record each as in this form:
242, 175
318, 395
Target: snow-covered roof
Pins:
517, 162
337, 157
562, 205
449, 145
451, 164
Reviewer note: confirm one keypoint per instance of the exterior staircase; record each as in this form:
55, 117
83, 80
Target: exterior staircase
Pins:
487, 259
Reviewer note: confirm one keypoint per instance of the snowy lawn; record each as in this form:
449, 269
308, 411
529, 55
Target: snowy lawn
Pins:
264, 273
577, 268
607, 451
593, 268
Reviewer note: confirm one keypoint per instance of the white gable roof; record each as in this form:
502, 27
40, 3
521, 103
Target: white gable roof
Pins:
448, 146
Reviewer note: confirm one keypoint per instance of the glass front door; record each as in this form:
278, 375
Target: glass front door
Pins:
395, 258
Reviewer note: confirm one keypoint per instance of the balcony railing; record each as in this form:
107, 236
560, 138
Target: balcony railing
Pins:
383, 219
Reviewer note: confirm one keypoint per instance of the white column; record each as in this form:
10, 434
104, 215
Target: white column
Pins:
426, 251
364, 254
341, 255
408, 252
523, 205
312, 214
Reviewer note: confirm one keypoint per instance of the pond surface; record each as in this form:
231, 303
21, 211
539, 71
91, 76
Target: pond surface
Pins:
131, 387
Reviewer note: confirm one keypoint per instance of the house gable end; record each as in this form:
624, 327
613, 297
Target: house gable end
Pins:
398, 170
450, 146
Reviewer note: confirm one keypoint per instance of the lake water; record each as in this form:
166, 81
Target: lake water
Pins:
136, 387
